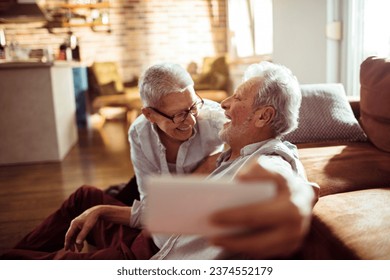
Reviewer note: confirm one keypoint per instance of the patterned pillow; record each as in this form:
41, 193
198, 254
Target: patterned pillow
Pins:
325, 115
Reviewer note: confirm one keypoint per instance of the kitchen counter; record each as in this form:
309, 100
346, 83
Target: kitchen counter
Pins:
37, 112
34, 63
24, 64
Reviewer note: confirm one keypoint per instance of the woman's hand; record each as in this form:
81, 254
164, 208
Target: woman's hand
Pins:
207, 165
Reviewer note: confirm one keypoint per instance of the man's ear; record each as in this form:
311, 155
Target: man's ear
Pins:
264, 116
147, 112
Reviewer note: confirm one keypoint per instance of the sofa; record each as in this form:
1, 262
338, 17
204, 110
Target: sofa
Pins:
344, 146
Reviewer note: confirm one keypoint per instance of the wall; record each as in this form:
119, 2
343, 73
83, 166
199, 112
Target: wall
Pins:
300, 40
143, 32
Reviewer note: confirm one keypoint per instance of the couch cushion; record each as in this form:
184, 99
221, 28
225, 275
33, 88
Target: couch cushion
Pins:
343, 168
325, 115
353, 225
375, 101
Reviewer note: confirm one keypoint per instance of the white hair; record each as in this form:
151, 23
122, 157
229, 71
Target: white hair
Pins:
162, 79
278, 87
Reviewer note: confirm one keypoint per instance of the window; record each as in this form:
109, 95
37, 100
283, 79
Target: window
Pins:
250, 28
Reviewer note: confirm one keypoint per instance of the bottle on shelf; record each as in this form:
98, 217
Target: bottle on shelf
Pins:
74, 46
70, 49
65, 51
3, 45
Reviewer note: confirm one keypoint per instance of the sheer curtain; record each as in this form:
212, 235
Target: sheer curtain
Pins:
366, 33
352, 46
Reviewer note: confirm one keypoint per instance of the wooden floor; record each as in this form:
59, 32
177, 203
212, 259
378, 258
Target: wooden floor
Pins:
28, 193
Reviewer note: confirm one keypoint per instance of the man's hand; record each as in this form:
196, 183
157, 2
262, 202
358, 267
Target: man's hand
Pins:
274, 228
79, 229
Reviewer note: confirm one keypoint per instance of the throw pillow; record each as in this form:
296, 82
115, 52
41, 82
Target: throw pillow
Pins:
325, 115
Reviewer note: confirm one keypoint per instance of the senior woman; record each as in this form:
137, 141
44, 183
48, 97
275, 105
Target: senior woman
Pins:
176, 131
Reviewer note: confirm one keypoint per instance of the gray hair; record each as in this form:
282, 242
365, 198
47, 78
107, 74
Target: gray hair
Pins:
162, 79
276, 86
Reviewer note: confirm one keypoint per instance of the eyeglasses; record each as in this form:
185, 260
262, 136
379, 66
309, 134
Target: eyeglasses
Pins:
182, 116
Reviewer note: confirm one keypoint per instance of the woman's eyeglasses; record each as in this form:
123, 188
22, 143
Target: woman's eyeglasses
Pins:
182, 116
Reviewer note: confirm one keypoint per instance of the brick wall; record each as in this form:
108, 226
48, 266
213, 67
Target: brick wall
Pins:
143, 32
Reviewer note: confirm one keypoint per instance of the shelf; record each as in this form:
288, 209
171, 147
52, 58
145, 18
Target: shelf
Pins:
96, 27
54, 24
94, 15
103, 5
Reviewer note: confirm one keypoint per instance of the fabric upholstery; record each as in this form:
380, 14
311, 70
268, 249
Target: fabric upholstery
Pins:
107, 76
353, 225
325, 115
215, 95
375, 100
341, 168
214, 74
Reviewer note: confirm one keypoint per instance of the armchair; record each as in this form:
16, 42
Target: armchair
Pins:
106, 89
212, 82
